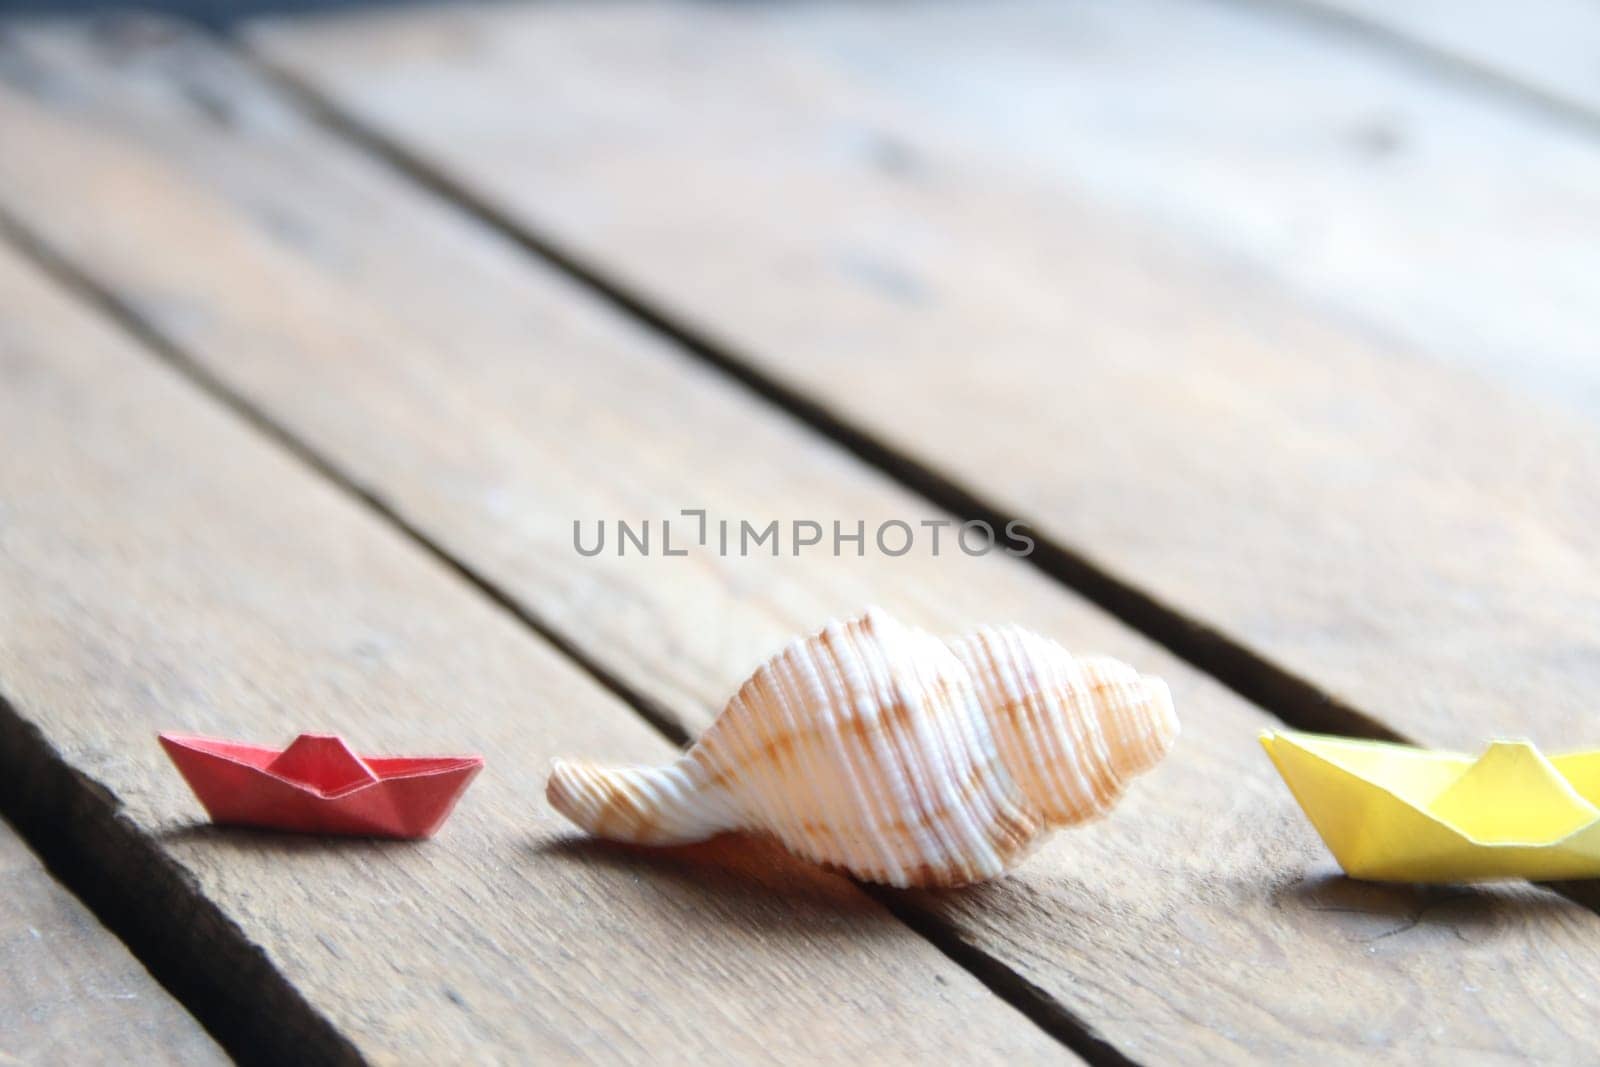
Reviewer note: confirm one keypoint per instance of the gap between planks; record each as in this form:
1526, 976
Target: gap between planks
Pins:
51, 794
74, 827
1457, 67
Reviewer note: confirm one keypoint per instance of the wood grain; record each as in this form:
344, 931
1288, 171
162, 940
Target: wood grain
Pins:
489, 402
163, 566
1397, 532
69, 990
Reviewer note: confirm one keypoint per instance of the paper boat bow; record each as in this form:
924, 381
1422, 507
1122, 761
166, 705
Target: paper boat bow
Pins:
317, 785
1400, 814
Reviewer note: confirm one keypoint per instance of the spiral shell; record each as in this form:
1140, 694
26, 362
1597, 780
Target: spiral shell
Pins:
900, 758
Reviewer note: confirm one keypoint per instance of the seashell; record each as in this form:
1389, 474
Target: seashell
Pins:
900, 758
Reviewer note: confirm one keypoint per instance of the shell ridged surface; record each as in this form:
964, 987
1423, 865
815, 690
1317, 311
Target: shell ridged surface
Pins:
894, 755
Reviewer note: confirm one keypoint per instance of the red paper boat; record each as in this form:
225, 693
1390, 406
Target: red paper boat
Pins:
317, 785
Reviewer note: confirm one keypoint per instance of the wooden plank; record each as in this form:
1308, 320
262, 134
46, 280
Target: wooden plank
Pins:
1546, 48
163, 566
1201, 922
69, 990
1372, 525
1462, 223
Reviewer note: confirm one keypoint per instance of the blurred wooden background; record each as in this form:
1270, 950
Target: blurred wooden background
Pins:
1272, 320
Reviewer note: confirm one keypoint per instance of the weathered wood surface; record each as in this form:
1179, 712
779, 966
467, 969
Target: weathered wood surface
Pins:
1547, 46
70, 992
163, 566
1392, 529
489, 403
1458, 221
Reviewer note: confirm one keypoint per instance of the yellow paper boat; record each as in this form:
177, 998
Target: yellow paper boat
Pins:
1394, 813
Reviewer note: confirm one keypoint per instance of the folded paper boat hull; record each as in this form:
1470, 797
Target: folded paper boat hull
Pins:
318, 786
1397, 813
